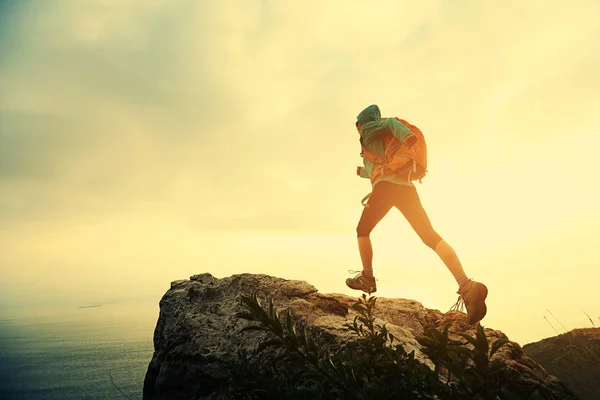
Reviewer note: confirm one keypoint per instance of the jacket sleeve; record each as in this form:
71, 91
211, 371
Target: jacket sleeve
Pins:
397, 128
363, 172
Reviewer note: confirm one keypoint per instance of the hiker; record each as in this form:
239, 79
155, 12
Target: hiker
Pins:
392, 186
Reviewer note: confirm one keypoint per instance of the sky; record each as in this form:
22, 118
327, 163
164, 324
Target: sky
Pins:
145, 141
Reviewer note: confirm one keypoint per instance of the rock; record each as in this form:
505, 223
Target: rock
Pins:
197, 337
574, 357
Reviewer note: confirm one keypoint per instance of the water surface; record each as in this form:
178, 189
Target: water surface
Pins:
72, 351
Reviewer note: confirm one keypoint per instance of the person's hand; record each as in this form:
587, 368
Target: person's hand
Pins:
358, 170
410, 140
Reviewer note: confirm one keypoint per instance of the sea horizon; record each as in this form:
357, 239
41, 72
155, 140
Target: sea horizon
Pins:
78, 350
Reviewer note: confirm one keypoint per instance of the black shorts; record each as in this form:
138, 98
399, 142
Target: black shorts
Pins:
386, 195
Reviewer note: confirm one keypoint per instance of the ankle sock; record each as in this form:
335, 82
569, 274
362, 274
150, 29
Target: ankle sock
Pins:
368, 273
461, 279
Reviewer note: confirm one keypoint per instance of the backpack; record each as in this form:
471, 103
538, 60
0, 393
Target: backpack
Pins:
399, 157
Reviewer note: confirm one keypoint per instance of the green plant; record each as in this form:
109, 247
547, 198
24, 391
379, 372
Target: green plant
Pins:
386, 369
315, 372
374, 366
371, 368
466, 370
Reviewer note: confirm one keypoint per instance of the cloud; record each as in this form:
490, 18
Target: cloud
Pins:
247, 107
136, 135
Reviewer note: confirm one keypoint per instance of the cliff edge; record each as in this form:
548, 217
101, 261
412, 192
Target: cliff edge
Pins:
198, 346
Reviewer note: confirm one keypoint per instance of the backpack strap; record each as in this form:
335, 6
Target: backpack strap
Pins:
365, 200
370, 155
381, 162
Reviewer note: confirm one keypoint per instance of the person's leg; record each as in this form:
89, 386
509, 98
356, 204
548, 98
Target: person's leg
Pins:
378, 206
409, 204
450, 259
365, 249
472, 293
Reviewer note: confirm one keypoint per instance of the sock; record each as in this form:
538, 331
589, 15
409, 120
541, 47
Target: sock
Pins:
461, 279
368, 273
449, 257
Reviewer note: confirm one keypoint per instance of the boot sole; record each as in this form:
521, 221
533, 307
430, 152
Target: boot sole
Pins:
366, 291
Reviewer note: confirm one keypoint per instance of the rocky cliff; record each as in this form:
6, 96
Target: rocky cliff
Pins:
574, 357
197, 340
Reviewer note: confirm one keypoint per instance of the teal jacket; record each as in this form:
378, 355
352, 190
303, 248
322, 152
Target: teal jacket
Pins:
372, 137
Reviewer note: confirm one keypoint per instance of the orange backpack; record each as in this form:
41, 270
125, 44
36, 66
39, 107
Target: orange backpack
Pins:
398, 156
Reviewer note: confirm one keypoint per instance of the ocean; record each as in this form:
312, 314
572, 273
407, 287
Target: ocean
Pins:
86, 351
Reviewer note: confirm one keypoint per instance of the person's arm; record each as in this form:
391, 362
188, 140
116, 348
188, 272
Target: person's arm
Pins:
362, 172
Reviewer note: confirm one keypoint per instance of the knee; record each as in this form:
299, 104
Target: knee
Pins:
431, 239
363, 230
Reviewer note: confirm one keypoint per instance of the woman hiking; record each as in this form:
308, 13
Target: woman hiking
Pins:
394, 154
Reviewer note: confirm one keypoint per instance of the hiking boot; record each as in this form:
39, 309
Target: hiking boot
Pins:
362, 282
472, 295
